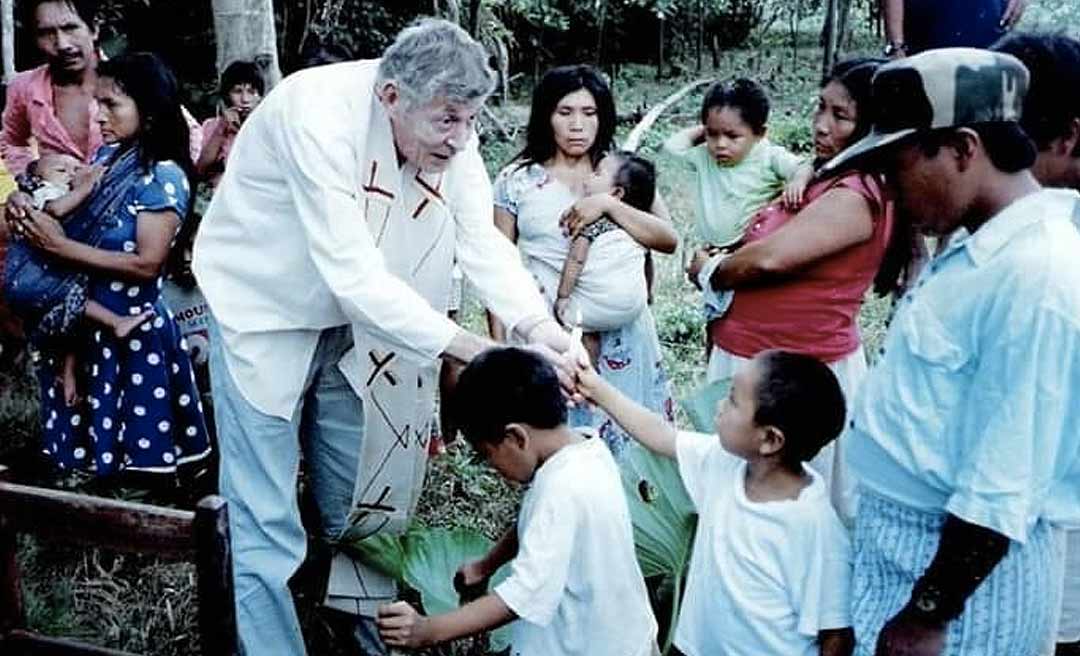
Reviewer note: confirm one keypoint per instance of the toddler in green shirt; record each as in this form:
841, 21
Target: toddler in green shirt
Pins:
739, 171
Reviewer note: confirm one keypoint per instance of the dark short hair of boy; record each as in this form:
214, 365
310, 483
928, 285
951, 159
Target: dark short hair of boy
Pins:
742, 94
1053, 98
637, 177
799, 395
241, 72
503, 386
88, 10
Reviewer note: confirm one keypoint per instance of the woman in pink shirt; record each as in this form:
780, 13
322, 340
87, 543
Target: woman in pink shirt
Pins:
801, 275
242, 88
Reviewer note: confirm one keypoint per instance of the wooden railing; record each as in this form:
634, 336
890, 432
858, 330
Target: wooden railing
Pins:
201, 536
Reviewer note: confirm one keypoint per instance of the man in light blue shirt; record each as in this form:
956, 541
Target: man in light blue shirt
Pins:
965, 435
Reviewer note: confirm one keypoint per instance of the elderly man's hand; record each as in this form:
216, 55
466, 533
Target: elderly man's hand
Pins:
907, 635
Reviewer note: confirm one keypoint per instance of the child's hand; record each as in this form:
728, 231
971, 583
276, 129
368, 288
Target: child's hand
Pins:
471, 580
88, 176
589, 383
401, 626
795, 189
231, 120
562, 304
698, 261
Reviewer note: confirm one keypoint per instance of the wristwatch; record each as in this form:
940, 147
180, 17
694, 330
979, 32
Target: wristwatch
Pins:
894, 48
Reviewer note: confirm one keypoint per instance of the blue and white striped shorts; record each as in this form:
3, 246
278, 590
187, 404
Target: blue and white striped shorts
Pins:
1012, 613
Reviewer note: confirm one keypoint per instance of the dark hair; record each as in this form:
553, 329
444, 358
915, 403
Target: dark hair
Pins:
1053, 97
163, 132
637, 177
88, 10
502, 386
799, 395
743, 94
556, 84
1007, 146
856, 75
241, 72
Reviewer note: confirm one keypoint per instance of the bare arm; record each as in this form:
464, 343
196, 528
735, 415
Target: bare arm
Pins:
648, 428
401, 626
651, 229
208, 155
85, 180
575, 262
154, 233
836, 221
836, 642
894, 21
685, 139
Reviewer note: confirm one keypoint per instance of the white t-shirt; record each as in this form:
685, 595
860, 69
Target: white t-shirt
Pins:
575, 582
764, 577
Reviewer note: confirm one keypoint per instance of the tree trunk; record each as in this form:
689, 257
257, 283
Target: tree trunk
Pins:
474, 18
7, 38
600, 33
700, 32
844, 22
453, 11
244, 29
830, 37
660, 49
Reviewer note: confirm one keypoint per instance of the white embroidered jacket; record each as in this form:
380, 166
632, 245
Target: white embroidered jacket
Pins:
314, 225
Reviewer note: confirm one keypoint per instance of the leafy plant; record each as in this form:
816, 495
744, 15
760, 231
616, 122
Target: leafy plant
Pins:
426, 559
664, 523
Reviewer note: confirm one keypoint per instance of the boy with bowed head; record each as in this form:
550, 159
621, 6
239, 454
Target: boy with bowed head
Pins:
574, 584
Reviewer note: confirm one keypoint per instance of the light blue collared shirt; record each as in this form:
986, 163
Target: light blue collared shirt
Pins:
974, 409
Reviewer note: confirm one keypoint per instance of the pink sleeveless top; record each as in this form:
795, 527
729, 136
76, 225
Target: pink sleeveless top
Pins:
815, 310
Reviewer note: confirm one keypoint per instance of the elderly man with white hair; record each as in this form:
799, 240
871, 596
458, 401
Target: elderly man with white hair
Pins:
326, 260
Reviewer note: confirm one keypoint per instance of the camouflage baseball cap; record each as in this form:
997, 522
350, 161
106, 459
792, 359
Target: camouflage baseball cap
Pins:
938, 89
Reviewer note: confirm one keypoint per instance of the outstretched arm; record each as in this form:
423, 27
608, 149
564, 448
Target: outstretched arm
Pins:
648, 428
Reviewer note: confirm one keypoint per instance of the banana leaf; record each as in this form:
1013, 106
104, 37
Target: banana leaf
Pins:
664, 521
426, 560
700, 405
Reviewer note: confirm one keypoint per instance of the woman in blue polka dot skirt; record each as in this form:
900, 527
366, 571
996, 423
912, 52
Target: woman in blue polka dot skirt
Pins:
139, 411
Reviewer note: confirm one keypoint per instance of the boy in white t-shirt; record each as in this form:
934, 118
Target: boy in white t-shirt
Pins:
574, 585
770, 570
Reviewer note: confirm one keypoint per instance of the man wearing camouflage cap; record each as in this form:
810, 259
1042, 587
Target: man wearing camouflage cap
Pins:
964, 437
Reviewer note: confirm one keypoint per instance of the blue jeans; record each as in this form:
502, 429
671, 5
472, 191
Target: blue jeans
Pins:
260, 462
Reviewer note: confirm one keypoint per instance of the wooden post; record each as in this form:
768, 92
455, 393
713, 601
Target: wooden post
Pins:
829, 36
12, 615
700, 33
244, 29
7, 38
213, 564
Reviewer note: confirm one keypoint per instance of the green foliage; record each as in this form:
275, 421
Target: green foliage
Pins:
700, 404
426, 561
664, 522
